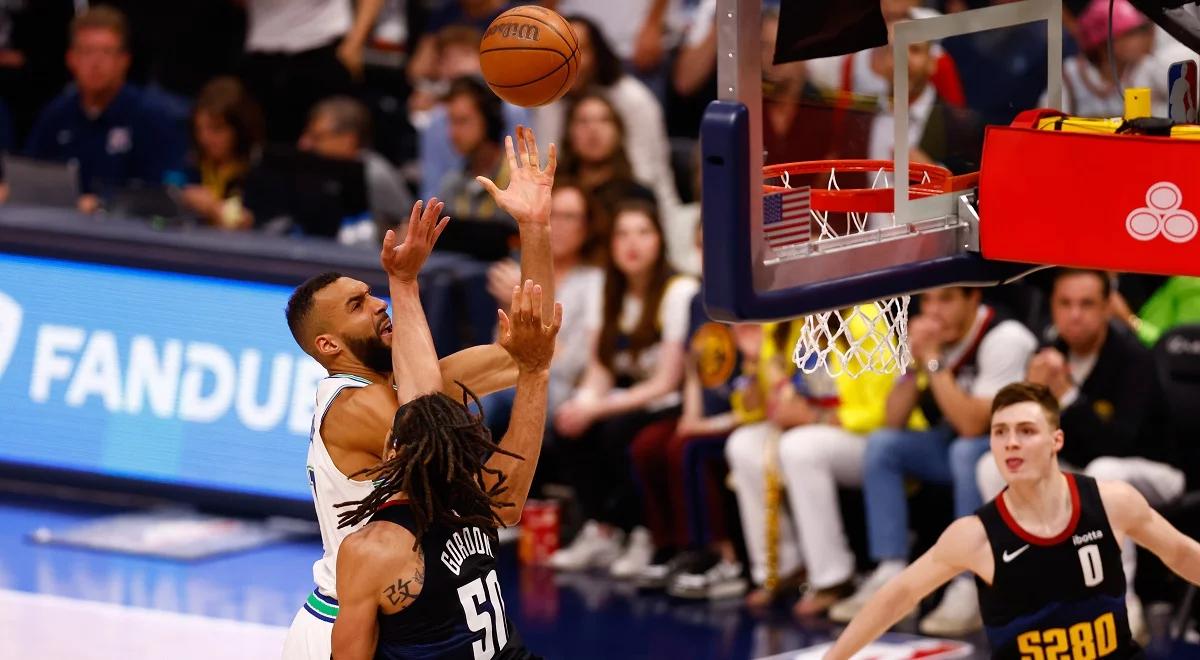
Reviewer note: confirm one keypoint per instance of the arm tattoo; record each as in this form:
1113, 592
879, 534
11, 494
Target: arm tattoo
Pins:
404, 592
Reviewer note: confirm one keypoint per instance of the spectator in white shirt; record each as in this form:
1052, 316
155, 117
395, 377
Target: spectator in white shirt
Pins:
635, 28
301, 51
579, 283
631, 382
640, 112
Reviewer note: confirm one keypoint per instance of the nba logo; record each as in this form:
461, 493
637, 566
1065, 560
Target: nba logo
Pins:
1181, 81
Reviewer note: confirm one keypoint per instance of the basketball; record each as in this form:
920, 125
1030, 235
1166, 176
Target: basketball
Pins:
529, 56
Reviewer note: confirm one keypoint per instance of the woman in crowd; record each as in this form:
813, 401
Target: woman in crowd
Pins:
600, 70
632, 380
594, 153
681, 467
576, 250
227, 132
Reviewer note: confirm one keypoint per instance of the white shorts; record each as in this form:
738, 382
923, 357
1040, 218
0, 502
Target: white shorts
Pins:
311, 635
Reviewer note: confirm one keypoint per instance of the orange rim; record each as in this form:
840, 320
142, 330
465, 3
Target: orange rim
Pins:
923, 180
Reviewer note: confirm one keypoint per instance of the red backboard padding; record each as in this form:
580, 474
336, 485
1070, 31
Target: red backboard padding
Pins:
1114, 202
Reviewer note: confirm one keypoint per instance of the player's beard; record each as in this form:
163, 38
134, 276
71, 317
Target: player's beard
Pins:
371, 352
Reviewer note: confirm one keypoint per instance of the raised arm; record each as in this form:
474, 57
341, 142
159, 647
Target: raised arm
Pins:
527, 199
415, 367
963, 546
350, 51
648, 46
531, 344
483, 369
697, 59
364, 418
1130, 514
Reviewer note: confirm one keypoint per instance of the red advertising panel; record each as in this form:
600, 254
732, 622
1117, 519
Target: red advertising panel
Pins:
1115, 202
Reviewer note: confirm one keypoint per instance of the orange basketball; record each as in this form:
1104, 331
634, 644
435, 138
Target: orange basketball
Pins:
529, 55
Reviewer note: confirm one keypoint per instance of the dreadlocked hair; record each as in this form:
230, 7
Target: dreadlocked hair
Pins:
439, 461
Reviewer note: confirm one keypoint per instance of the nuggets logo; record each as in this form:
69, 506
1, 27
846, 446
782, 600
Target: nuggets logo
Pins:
714, 353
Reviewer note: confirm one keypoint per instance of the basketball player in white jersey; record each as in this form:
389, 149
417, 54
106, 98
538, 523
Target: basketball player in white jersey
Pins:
337, 321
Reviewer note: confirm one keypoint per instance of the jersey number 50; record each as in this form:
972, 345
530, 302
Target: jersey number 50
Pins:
495, 633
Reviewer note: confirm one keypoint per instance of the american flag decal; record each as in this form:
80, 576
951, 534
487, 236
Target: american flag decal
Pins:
786, 217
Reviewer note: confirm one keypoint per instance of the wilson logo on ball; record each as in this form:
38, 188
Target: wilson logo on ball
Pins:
514, 30
529, 56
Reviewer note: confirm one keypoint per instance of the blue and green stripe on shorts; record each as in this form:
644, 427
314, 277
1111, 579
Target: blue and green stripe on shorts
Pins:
321, 606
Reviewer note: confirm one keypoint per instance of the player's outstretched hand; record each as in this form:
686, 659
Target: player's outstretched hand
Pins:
404, 261
527, 339
527, 197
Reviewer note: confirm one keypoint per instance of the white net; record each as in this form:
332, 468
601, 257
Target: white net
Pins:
868, 338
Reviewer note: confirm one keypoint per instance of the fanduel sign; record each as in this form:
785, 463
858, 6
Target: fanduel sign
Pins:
191, 381
155, 375
10, 329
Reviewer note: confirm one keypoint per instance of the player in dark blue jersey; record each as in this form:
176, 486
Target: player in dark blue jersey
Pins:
1045, 552
419, 580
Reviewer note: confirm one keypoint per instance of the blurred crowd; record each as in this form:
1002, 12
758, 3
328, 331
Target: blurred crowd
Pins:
234, 113
699, 459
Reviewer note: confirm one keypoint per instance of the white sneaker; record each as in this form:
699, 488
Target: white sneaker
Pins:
723, 580
1192, 635
653, 576
591, 547
845, 610
638, 554
726, 581
1137, 619
958, 613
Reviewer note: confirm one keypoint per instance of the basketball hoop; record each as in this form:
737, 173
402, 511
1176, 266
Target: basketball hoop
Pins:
872, 336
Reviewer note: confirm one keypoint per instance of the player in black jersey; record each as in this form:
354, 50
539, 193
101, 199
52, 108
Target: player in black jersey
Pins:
1045, 552
419, 580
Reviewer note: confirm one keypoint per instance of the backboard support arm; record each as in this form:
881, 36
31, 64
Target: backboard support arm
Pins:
907, 33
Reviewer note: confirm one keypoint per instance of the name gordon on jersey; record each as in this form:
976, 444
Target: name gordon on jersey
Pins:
462, 544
